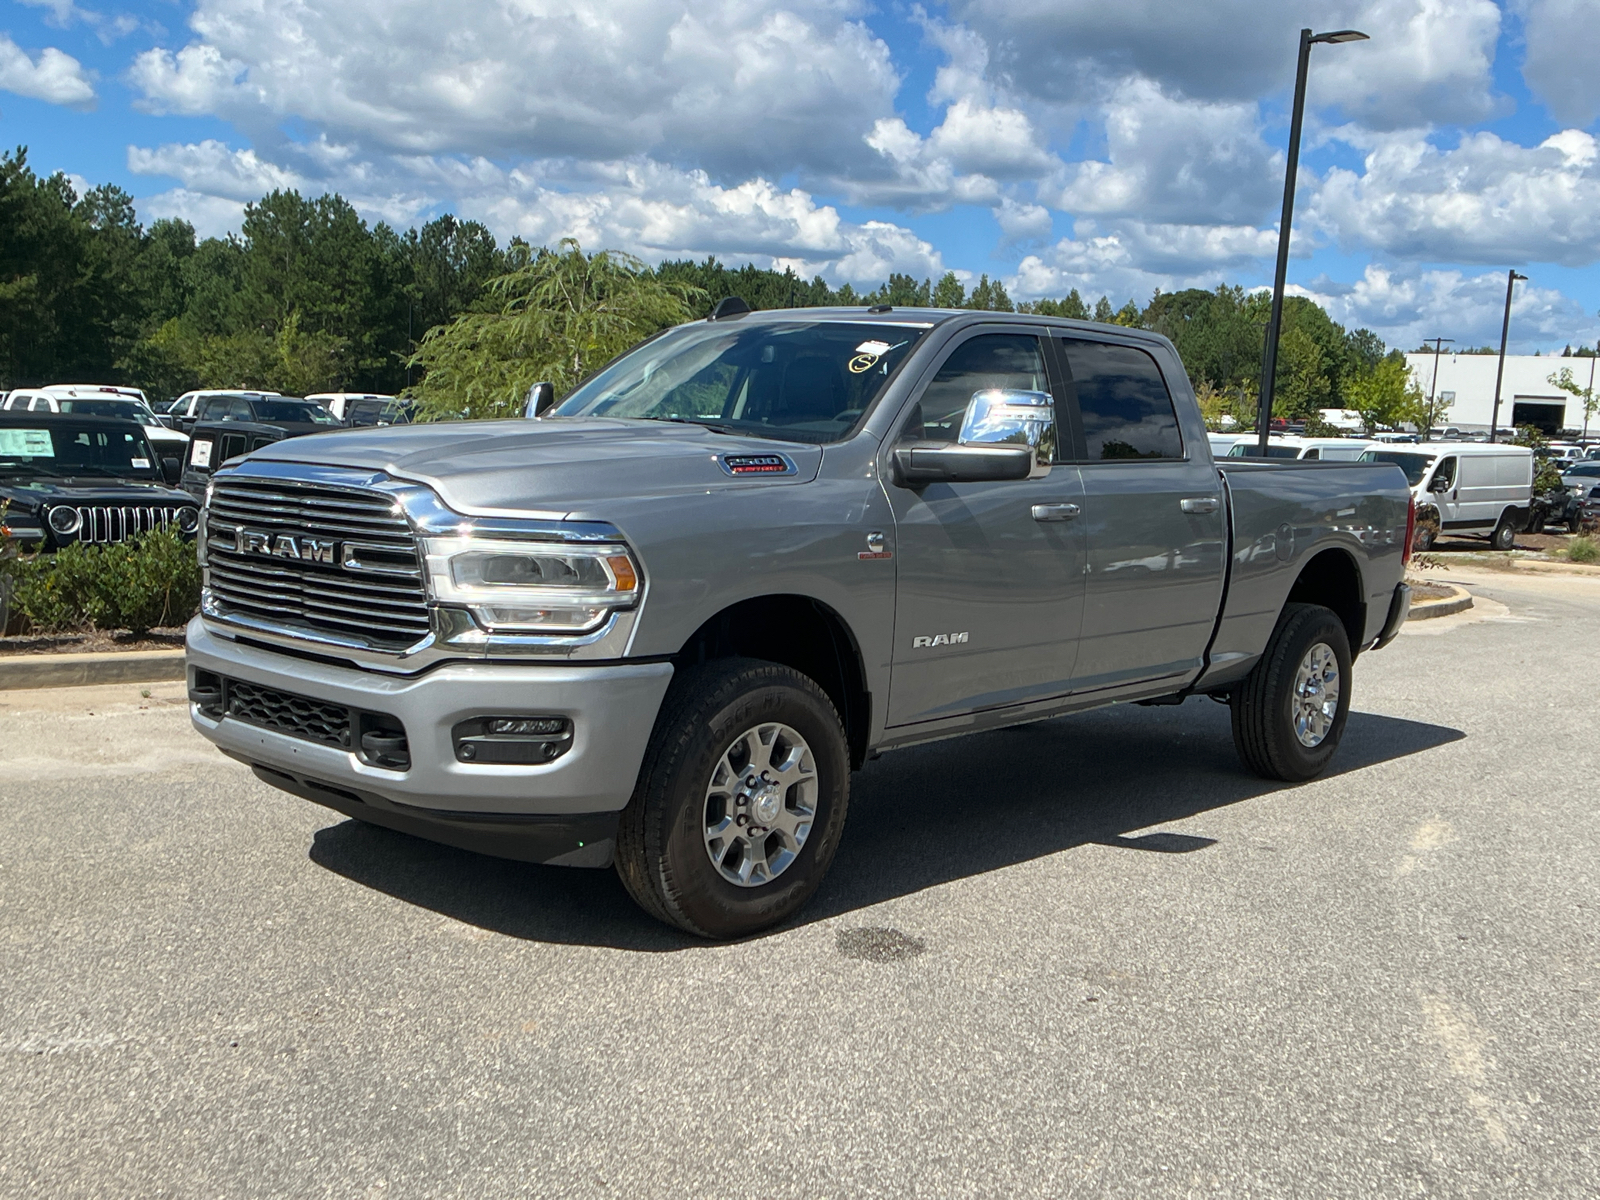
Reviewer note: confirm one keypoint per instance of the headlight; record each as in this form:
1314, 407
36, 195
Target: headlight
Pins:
532, 587
188, 520
65, 521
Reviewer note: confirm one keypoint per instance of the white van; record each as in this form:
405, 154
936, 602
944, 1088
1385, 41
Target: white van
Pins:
1466, 488
338, 403
1305, 449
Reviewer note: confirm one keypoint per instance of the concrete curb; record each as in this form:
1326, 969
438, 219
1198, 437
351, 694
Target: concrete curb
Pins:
79, 670
1460, 602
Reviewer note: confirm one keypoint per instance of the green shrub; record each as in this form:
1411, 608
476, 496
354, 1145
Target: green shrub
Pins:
137, 585
1582, 549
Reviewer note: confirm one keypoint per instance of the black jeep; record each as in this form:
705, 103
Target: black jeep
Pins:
66, 478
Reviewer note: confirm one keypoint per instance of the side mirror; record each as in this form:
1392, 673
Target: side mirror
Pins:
171, 469
1437, 485
541, 397
1005, 434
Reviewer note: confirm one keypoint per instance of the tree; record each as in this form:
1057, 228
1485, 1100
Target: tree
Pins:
556, 317
990, 296
1564, 380
1103, 312
949, 292
1072, 307
1386, 395
1546, 476
1425, 413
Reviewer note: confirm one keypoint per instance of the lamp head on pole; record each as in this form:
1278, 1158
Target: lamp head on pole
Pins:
1515, 277
1340, 35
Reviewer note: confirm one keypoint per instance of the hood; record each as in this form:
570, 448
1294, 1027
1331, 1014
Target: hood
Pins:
560, 467
32, 495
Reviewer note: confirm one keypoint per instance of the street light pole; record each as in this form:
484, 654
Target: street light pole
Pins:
1269, 355
1438, 345
1500, 371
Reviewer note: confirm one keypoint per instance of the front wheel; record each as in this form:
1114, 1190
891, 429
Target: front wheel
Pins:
740, 802
1289, 712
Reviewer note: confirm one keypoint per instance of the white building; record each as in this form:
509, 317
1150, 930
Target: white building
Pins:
1527, 397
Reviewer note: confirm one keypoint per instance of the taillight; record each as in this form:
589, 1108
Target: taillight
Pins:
1411, 529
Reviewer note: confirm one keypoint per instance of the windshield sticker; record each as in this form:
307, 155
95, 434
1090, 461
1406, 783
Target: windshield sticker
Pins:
876, 349
143, 463
202, 454
26, 443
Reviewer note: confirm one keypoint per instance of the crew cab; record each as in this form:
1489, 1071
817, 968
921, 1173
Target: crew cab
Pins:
659, 625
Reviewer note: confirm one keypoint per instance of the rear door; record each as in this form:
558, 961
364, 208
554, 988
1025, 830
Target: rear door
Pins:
1153, 516
989, 576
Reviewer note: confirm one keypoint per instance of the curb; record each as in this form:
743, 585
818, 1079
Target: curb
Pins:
78, 670
1460, 602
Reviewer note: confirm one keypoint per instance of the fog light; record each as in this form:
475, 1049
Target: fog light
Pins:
525, 741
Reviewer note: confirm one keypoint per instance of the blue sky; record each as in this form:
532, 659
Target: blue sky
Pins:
1055, 144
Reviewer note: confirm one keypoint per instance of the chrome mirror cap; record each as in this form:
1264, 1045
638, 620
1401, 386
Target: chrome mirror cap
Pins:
1010, 416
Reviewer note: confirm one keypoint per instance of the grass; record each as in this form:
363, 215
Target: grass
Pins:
1582, 549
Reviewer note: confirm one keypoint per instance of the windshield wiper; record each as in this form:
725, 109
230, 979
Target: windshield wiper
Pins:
703, 422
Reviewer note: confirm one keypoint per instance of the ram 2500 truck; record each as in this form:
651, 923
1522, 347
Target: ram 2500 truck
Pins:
661, 624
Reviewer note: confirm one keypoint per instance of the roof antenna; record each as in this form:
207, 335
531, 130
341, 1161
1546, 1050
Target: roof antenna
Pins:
881, 308
729, 306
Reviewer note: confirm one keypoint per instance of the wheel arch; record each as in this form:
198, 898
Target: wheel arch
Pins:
801, 632
1332, 578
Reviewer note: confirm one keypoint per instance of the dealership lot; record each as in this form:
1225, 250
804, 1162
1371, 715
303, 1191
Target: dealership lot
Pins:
1088, 957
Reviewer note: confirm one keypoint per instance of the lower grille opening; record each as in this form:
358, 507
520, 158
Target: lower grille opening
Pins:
378, 739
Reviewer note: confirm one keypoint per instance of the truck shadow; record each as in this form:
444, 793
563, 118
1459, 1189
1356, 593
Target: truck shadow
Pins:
918, 818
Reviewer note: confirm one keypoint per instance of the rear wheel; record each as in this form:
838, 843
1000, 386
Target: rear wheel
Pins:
740, 802
1504, 536
1289, 712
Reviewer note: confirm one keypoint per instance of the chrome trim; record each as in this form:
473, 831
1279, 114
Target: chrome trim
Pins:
453, 635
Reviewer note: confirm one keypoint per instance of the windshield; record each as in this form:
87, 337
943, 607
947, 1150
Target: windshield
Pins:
1252, 450
68, 449
1584, 469
126, 410
1414, 465
804, 381
294, 410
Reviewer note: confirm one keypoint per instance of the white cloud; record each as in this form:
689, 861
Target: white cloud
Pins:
1134, 259
1176, 160
1487, 200
1428, 61
53, 77
735, 86
656, 211
1405, 307
1556, 70
209, 167
211, 216
1022, 223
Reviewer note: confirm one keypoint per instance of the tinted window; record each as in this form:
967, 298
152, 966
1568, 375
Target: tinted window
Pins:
1123, 400
68, 449
232, 446
992, 360
294, 410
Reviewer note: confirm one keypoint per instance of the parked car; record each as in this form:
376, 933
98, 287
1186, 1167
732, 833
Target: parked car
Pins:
1467, 488
289, 412
365, 413
339, 403
662, 623
68, 478
216, 442
124, 403
1302, 448
185, 410
1579, 476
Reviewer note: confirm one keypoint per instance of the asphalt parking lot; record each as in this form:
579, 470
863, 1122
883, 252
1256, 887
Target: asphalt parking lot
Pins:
1085, 958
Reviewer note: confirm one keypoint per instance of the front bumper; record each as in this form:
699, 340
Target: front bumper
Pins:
612, 709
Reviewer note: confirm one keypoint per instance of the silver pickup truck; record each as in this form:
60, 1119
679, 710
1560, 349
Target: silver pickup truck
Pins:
661, 624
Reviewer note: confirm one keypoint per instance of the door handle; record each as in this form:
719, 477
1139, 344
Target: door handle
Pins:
1199, 504
1055, 512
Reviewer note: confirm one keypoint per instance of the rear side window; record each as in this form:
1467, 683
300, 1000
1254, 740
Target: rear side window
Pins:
232, 445
1123, 400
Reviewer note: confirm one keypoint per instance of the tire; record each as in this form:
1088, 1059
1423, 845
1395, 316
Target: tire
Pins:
1504, 536
1265, 705
665, 841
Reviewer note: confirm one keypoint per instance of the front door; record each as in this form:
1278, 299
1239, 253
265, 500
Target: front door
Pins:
1445, 487
1154, 519
989, 576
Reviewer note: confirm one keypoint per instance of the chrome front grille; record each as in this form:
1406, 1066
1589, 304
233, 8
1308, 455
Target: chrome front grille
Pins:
105, 524
305, 558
